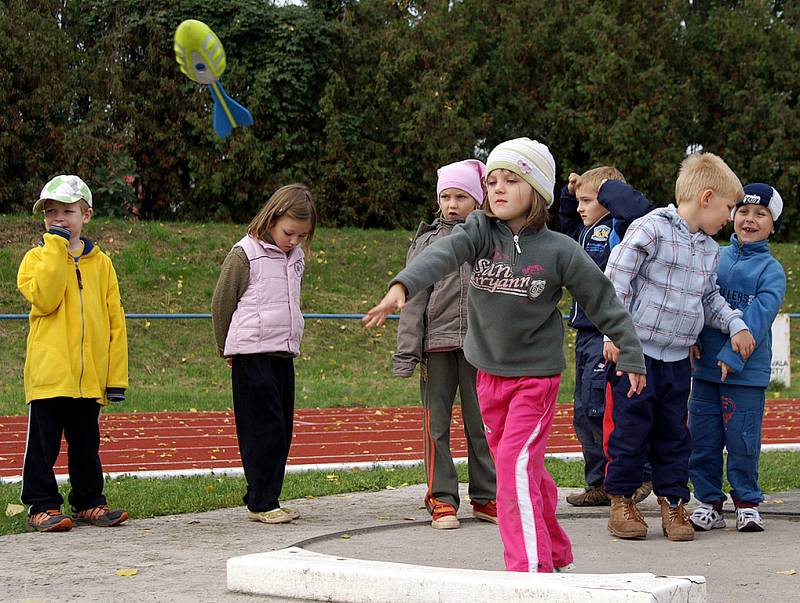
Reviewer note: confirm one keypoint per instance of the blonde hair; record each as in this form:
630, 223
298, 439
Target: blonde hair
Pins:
293, 201
537, 216
82, 203
703, 171
594, 177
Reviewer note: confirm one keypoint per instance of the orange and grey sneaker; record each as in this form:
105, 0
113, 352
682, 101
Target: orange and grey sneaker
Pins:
101, 516
49, 521
444, 517
487, 512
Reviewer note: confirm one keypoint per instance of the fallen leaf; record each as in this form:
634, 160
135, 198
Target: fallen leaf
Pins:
127, 571
12, 509
787, 572
410, 518
345, 536
391, 488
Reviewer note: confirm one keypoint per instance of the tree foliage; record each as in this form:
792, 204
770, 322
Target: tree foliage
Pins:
363, 100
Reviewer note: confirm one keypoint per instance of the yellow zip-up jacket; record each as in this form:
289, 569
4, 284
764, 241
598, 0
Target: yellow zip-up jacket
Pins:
78, 344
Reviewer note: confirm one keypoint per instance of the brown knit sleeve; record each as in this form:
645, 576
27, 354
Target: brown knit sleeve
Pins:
231, 285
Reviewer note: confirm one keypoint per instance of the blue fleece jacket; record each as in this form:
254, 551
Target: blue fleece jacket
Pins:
751, 280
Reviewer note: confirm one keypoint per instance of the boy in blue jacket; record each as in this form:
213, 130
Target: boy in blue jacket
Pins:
726, 407
597, 221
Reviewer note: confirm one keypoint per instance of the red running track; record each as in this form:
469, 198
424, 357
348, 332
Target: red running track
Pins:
205, 441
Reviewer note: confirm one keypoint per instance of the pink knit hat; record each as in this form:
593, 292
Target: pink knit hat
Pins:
467, 175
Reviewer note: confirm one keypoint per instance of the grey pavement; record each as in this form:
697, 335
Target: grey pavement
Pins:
182, 558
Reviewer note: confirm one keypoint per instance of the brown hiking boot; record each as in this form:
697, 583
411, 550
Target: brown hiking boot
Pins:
625, 520
594, 496
642, 492
675, 521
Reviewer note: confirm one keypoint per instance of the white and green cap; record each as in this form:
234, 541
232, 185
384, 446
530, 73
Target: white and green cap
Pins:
64, 188
529, 159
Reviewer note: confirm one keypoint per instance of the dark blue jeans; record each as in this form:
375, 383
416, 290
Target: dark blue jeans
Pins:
725, 416
589, 403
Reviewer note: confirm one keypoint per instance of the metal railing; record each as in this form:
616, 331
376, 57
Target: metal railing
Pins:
792, 316
156, 316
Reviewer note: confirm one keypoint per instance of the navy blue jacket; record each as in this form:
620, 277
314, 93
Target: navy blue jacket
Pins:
625, 204
753, 281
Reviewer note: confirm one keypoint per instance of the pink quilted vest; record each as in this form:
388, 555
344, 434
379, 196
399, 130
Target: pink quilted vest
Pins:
268, 316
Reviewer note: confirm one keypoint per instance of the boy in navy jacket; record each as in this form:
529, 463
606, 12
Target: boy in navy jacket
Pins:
596, 220
727, 405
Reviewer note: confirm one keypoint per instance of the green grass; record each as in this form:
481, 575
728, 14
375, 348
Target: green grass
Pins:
173, 267
779, 472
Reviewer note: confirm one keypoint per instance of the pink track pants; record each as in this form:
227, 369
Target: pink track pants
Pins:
518, 414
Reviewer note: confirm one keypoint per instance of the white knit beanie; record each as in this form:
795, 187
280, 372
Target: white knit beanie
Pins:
530, 159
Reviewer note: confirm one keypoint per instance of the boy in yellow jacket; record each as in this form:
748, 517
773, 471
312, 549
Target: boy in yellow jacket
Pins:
76, 359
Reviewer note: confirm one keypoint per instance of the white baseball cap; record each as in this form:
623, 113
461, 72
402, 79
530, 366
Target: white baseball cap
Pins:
64, 188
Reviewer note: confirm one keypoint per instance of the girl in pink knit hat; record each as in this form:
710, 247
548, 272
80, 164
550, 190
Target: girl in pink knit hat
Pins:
432, 329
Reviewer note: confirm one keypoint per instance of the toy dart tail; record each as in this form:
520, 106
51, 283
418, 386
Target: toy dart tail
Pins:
201, 57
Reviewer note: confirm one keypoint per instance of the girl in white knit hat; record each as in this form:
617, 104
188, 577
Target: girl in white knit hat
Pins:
515, 336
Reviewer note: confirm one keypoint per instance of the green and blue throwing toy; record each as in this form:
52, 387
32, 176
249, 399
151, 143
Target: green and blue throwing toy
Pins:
201, 57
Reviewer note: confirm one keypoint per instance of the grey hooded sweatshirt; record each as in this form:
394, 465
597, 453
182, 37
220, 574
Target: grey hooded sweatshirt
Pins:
515, 326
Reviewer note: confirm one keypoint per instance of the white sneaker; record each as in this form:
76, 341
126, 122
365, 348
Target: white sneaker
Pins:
749, 520
565, 569
705, 517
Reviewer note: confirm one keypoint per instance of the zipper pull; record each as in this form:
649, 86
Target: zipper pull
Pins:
516, 243
78, 273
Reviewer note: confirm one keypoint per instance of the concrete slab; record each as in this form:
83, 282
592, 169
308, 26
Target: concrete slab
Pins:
295, 573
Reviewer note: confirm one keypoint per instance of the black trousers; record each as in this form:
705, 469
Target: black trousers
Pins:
263, 405
78, 420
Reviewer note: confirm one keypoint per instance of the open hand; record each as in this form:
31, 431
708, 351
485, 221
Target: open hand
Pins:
395, 298
638, 382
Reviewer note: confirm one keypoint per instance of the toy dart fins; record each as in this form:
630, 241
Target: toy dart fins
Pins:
202, 58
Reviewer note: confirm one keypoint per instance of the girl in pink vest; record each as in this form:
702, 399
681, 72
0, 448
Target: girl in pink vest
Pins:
258, 326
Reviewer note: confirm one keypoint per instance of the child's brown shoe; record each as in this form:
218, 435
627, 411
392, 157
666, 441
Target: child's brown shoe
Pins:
675, 521
594, 496
626, 521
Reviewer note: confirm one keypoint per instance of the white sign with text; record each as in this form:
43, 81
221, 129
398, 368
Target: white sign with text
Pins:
781, 369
